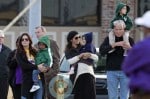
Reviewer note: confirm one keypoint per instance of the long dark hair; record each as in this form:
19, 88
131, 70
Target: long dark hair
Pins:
17, 41
20, 48
68, 46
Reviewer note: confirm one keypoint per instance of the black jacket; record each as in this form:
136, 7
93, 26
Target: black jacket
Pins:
114, 60
27, 69
26, 66
4, 71
12, 64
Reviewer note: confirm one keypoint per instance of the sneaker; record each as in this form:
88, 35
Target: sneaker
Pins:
34, 88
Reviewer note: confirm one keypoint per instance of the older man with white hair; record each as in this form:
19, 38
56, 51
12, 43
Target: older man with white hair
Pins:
4, 71
114, 47
137, 64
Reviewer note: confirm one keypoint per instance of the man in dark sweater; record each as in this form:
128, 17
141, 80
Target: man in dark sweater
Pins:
4, 71
114, 47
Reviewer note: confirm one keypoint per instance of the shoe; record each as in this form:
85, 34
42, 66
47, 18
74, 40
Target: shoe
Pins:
34, 88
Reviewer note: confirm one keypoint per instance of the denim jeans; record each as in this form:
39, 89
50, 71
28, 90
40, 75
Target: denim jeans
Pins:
114, 80
35, 77
39, 93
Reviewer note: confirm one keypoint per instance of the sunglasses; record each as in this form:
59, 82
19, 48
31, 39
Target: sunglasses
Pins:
24, 39
77, 37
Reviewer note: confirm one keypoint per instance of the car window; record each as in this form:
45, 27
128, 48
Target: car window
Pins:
64, 64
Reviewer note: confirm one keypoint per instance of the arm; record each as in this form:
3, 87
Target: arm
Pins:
87, 55
105, 47
94, 57
128, 23
55, 55
128, 46
73, 60
11, 60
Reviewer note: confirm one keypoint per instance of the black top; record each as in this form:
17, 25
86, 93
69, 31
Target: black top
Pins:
4, 71
114, 59
27, 68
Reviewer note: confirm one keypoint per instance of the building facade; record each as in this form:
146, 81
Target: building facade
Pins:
62, 16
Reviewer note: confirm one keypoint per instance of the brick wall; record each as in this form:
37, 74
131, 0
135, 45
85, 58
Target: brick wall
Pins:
108, 12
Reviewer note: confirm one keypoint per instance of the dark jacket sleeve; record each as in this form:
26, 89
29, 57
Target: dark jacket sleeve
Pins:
56, 59
24, 63
128, 23
131, 41
11, 60
105, 47
111, 23
55, 55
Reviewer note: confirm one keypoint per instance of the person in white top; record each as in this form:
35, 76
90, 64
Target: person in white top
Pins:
83, 78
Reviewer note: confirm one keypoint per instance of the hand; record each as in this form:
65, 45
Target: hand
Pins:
42, 68
126, 46
86, 55
121, 43
81, 55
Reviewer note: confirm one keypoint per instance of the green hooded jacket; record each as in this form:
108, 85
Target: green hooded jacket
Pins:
44, 55
125, 17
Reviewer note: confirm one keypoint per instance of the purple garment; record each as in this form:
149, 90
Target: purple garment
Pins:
18, 75
137, 66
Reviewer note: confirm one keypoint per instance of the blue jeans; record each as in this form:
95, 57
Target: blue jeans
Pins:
35, 78
37, 94
114, 79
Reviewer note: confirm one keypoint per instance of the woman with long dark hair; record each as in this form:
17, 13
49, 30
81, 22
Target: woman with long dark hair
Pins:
25, 58
84, 81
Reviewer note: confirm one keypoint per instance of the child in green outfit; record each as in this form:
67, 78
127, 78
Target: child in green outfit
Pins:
122, 11
43, 56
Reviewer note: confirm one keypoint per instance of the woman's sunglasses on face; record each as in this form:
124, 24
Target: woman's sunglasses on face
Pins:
24, 39
77, 37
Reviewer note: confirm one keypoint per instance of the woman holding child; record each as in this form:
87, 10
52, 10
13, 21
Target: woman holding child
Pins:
25, 58
84, 83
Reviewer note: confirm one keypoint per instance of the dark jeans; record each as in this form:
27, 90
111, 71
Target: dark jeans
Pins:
3, 88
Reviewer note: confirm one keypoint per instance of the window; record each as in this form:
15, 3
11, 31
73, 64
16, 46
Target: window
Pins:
143, 6
71, 12
8, 10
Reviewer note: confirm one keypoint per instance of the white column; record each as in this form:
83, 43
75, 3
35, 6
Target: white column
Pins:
34, 19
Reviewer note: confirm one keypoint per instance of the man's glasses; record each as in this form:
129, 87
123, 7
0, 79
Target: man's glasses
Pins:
24, 39
77, 37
